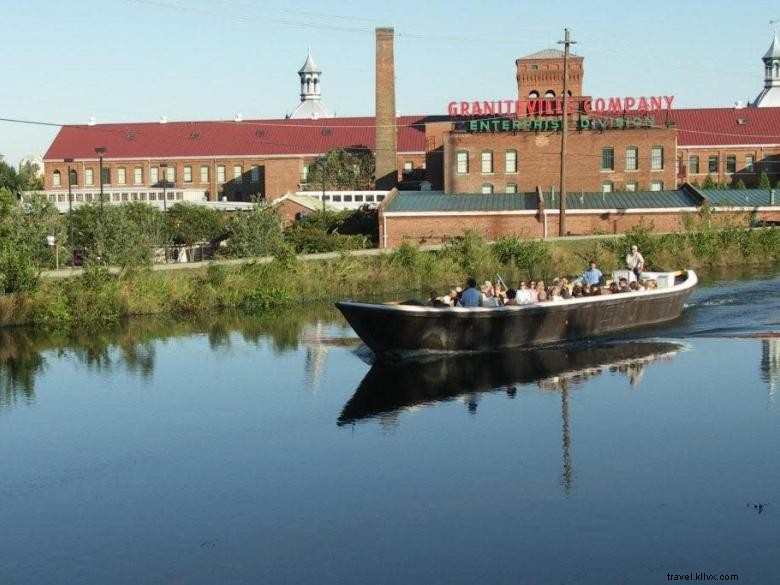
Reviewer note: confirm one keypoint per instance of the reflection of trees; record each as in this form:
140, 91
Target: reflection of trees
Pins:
131, 345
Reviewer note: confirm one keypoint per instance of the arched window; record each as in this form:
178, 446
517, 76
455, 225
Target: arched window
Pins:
533, 95
74, 177
487, 188
56, 179
549, 94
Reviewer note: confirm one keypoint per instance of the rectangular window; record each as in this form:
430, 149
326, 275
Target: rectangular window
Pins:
631, 186
632, 156
56, 179
337, 198
220, 174
657, 158
254, 175
106, 175
121, 176
693, 165
170, 175
358, 198
511, 161
731, 164
408, 167
712, 164
607, 158
347, 198
607, 187
487, 162
204, 173
305, 174
154, 175
237, 172
487, 188
511, 187
138, 176
187, 174
749, 163
656, 185
89, 177
463, 162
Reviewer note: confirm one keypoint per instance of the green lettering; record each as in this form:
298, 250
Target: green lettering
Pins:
484, 126
505, 125
515, 125
649, 122
473, 126
537, 125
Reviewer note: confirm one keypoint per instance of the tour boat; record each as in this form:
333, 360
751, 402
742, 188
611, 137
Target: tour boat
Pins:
394, 330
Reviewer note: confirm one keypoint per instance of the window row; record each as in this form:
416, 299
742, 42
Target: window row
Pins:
713, 164
486, 162
118, 197
155, 174
632, 158
606, 187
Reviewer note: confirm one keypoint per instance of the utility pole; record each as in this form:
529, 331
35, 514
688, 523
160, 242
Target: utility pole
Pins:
566, 42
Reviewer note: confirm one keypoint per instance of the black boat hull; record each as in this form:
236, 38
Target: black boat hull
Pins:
400, 330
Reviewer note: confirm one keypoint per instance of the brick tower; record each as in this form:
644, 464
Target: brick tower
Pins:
386, 159
541, 75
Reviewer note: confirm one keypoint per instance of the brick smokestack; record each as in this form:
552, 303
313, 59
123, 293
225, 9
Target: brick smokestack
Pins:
386, 158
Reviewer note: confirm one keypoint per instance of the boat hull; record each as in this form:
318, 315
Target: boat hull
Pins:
399, 330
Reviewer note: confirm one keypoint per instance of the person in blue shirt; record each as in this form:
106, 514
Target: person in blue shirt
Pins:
471, 296
592, 275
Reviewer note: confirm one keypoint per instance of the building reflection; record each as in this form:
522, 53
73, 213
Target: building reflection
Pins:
770, 365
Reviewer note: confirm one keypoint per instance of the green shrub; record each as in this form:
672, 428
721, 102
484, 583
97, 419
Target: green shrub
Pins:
18, 273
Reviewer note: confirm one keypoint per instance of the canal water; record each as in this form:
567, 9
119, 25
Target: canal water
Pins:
265, 450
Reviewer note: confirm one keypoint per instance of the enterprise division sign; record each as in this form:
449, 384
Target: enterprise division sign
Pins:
553, 124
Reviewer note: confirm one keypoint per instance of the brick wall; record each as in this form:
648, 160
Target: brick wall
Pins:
434, 229
386, 165
538, 160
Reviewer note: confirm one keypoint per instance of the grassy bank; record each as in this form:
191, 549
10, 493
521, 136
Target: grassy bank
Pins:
97, 296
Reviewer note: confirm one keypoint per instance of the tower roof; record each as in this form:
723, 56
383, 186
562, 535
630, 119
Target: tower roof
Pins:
548, 54
309, 66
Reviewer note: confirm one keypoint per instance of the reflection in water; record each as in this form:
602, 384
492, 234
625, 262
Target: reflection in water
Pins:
389, 389
130, 345
770, 364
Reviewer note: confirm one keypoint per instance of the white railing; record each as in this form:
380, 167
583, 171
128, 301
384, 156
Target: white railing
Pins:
347, 199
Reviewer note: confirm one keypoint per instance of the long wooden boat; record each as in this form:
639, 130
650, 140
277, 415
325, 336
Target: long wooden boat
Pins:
399, 330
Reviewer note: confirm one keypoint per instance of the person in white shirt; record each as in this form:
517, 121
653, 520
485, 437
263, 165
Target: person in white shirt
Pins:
635, 262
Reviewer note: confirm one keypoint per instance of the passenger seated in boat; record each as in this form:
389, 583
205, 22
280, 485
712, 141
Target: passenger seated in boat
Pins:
523, 295
471, 296
593, 275
634, 286
595, 290
576, 291
586, 292
533, 292
565, 289
623, 285
489, 298
612, 288
555, 294
511, 297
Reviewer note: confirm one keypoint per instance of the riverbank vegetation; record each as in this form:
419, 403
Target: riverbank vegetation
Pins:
287, 281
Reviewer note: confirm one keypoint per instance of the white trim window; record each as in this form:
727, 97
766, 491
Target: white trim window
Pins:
632, 158
138, 176
170, 175
487, 162
656, 185
220, 174
204, 173
511, 187
154, 175
187, 174
89, 177
237, 173
56, 179
657, 158
510, 161
254, 174
487, 188
462, 157
121, 176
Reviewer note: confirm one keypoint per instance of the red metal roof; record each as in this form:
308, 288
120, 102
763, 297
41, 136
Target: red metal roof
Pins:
724, 126
229, 139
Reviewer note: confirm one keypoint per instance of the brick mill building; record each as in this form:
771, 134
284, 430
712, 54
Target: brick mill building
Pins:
639, 144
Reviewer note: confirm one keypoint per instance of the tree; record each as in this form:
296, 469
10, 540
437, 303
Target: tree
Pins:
343, 168
254, 233
192, 223
763, 181
709, 183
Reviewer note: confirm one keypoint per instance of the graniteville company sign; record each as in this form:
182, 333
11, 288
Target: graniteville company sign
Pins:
626, 106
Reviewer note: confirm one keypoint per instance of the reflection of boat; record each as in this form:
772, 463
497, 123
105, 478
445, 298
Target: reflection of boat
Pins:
396, 330
388, 387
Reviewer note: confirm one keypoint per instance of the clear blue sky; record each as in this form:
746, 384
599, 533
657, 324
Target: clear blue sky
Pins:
136, 60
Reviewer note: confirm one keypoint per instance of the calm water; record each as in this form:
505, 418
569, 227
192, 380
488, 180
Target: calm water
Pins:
239, 450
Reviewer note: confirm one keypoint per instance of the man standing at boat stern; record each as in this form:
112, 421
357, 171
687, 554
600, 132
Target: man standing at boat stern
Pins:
472, 296
635, 262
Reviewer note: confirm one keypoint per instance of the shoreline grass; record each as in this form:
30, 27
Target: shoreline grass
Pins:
97, 296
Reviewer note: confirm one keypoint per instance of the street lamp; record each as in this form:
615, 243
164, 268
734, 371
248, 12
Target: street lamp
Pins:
164, 170
100, 151
70, 204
